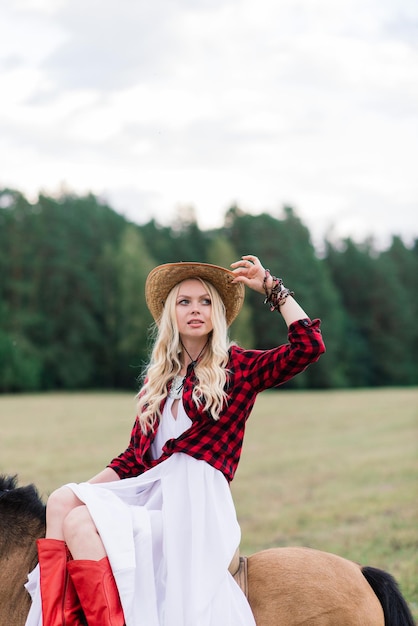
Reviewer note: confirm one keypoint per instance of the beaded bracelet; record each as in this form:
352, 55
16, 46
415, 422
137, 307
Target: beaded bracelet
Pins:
278, 293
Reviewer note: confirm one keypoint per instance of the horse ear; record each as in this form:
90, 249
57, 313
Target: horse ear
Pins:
7, 483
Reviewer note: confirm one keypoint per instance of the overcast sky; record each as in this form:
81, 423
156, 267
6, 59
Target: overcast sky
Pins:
156, 104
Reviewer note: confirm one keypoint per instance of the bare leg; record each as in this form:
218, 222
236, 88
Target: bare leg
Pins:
90, 570
81, 536
68, 519
59, 504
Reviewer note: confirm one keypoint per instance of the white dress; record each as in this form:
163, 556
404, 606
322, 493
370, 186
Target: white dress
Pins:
170, 535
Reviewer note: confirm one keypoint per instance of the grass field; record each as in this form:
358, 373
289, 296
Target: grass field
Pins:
335, 470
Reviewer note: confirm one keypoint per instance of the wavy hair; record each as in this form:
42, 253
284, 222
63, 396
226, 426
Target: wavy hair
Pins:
164, 364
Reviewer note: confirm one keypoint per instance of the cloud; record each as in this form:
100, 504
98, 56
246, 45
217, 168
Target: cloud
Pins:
115, 44
215, 101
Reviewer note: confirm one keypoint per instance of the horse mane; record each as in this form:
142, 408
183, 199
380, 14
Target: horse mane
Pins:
22, 512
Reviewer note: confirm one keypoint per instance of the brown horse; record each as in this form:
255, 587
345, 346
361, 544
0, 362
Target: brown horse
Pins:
286, 586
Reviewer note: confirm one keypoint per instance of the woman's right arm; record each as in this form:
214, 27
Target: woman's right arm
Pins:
107, 475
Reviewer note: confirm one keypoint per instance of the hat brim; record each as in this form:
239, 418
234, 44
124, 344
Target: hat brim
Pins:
162, 279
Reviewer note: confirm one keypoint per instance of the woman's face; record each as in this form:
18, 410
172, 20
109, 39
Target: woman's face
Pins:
193, 309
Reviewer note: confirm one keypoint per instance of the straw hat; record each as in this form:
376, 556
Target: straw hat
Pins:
163, 278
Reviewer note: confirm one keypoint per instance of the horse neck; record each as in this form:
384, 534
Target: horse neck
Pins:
17, 559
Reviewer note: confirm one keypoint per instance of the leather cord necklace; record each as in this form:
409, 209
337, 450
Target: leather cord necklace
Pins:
176, 389
194, 361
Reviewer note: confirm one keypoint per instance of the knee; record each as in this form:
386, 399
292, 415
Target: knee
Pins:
60, 503
78, 523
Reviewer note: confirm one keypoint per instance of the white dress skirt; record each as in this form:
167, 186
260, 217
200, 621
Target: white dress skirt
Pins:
170, 535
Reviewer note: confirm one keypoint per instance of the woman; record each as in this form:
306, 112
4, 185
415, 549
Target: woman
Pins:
154, 549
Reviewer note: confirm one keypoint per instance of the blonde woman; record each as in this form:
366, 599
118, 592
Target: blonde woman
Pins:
154, 548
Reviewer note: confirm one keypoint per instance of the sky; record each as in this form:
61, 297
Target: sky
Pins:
161, 105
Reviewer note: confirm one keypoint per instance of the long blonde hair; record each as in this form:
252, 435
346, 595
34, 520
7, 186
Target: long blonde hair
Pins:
165, 363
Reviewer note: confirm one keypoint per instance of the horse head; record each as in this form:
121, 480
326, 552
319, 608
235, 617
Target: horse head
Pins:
22, 512
22, 522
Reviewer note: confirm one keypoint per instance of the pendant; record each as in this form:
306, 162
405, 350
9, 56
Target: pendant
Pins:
176, 389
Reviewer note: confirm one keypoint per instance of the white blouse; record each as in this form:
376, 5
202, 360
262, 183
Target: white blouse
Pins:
170, 427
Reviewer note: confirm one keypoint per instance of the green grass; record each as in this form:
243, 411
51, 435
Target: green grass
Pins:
335, 470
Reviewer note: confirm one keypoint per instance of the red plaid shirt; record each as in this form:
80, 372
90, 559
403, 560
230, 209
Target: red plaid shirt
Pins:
219, 442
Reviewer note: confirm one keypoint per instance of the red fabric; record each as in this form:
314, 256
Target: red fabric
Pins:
219, 443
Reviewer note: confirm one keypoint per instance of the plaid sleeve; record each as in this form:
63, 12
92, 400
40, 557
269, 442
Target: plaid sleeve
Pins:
263, 369
126, 464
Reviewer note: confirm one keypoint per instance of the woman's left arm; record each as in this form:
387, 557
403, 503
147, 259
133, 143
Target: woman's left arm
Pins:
250, 271
270, 368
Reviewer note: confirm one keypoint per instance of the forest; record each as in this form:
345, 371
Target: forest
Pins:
73, 313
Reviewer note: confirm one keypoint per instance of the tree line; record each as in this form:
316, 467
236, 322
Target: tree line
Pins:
73, 313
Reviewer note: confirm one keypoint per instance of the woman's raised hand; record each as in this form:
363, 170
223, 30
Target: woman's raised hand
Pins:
248, 270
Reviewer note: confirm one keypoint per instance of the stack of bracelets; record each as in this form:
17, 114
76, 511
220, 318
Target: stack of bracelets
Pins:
276, 296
